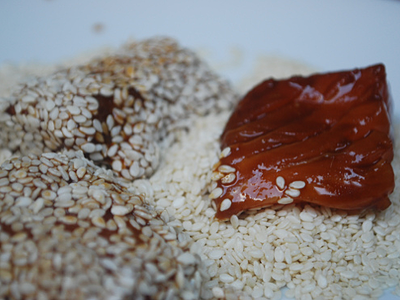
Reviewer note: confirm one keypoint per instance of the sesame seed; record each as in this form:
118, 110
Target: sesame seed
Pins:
285, 200
215, 176
226, 169
280, 182
87, 130
23, 201
81, 172
292, 192
225, 152
119, 221
225, 204
4, 181
99, 222
134, 170
112, 150
69, 220
228, 178
217, 192
74, 110
88, 147
80, 119
297, 184
97, 125
49, 195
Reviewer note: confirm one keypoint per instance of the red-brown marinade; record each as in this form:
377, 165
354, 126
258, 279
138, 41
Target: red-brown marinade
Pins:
322, 139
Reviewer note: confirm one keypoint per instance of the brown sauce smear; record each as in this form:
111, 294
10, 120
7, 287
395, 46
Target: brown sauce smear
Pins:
328, 132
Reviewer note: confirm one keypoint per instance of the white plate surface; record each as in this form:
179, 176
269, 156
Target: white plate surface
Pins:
329, 35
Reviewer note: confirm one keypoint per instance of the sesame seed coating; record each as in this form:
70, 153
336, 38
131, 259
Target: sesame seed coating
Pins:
116, 109
87, 238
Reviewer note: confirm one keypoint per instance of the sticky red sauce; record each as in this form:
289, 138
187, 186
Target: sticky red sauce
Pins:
329, 131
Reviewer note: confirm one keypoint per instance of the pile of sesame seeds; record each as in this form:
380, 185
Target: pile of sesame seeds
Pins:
314, 252
71, 230
117, 108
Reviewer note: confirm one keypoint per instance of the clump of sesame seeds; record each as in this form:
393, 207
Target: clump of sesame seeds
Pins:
71, 230
116, 109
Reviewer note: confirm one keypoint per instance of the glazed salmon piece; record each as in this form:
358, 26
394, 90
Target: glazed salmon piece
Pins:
322, 139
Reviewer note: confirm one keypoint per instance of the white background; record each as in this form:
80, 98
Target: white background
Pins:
329, 35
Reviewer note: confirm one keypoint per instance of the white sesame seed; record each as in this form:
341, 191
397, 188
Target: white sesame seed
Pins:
297, 184
226, 278
116, 130
225, 152
80, 119
87, 130
49, 195
218, 292
4, 181
216, 254
119, 221
88, 147
280, 182
225, 204
117, 165
285, 200
74, 110
228, 178
292, 192
134, 169
226, 169
23, 201
119, 210
64, 204
80, 172
217, 192
112, 150
97, 125
187, 258
99, 222
110, 122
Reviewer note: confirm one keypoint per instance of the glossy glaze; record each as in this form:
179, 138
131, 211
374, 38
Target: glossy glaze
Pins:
330, 131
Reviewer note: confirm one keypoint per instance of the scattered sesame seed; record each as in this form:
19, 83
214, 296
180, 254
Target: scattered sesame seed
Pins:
225, 204
292, 192
297, 184
217, 192
228, 178
280, 182
226, 169
285, 200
